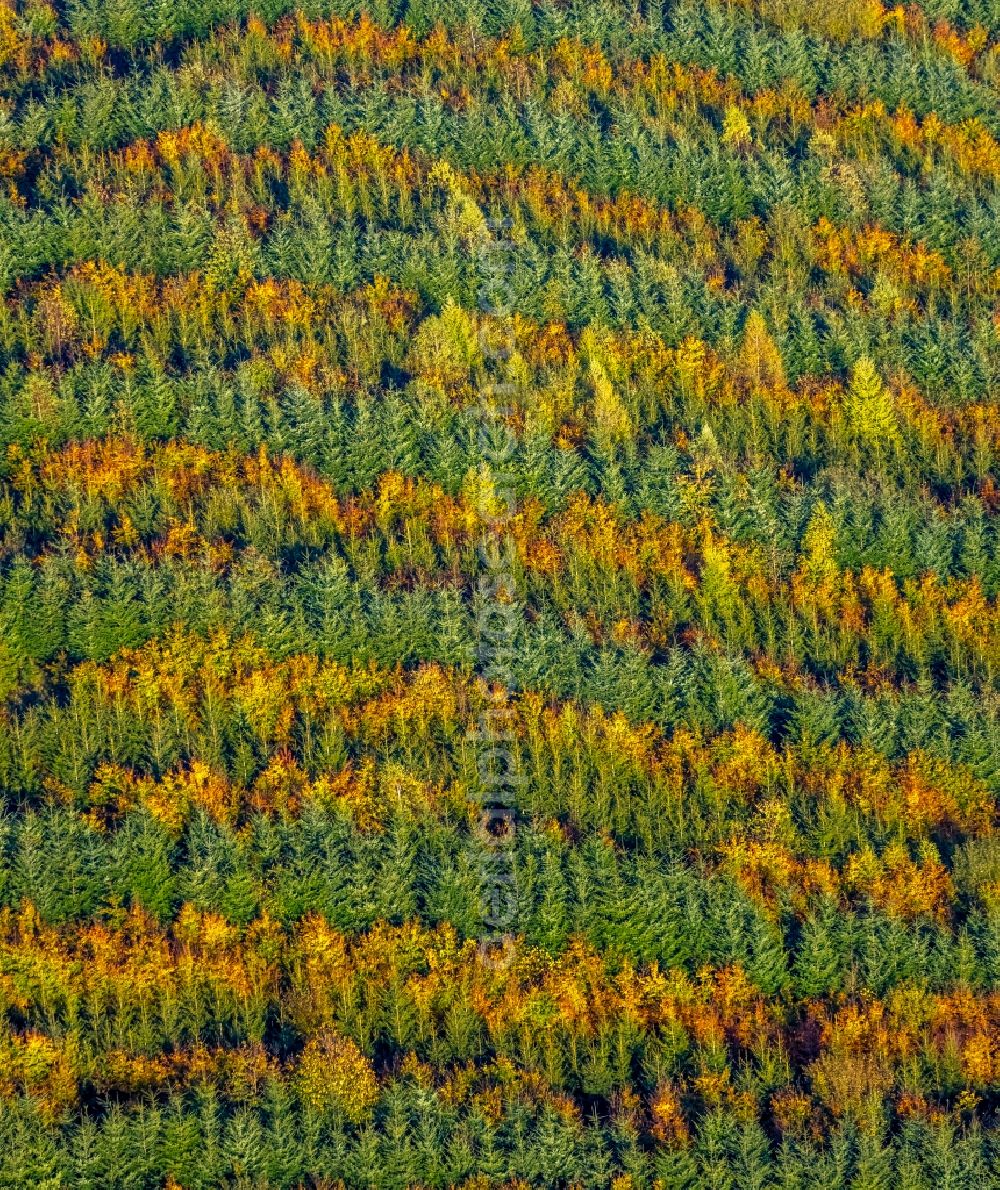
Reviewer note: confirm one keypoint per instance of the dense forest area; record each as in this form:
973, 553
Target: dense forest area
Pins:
665, 333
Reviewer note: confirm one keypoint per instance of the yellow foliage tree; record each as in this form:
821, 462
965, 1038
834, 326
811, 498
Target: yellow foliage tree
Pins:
445, 348
612, 422
871, 411
818, 561
735, 128
334, 1075
760, 358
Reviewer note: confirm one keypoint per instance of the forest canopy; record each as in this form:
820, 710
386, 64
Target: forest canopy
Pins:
612, 382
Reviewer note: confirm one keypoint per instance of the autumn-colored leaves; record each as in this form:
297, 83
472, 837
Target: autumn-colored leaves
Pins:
751, 711
411, 988
378, 747
664, 578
